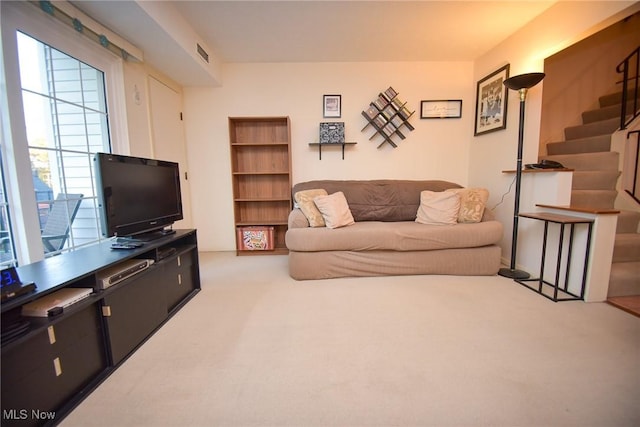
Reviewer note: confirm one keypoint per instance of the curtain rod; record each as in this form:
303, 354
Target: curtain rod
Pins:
49, 8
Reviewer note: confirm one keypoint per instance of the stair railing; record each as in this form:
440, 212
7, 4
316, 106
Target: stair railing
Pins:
634, 191
629, 67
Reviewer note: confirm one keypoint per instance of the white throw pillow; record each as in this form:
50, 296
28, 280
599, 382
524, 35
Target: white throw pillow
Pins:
334, 209
438, 208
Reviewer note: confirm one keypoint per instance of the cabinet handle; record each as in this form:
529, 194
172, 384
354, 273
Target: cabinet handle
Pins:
179, 279
57, 367
52, 335
179, 261
106, 311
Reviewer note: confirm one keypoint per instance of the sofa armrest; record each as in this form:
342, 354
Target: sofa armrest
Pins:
297, 219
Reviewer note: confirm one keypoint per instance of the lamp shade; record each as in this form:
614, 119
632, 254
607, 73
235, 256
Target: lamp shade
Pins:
524, 81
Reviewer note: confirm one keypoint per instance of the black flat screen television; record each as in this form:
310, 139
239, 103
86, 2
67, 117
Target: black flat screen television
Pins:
138, 197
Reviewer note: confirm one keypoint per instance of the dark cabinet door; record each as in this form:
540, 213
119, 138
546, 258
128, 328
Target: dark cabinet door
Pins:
47, 370
134, 311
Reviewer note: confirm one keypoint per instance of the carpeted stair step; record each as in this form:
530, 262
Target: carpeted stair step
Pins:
593, 199
605, 113
593, 144
603, 127
588, 161
628, 222
614, 98
627, 248
624, 279
595, 180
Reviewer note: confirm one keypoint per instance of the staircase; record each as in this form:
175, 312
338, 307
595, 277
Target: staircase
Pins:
587, 150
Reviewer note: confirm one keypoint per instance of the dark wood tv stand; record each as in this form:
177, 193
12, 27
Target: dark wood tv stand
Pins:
51, 368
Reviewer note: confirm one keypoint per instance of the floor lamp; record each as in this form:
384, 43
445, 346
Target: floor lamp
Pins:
520, 83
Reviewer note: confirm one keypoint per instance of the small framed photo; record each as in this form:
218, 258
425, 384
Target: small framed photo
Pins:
441, 109
491, 102
331, 106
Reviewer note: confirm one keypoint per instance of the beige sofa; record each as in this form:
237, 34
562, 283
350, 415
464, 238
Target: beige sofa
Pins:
385, 239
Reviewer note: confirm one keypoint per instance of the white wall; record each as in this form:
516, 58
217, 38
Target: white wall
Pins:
137, 101
436, 149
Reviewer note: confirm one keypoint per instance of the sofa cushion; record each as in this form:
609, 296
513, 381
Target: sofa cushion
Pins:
472, 203
379, 200
396, 236
438, 208
334, 209
304, 200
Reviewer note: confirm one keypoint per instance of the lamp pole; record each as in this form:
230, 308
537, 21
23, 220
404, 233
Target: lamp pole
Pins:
521, 83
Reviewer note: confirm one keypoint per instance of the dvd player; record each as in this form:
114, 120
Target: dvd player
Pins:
116, 274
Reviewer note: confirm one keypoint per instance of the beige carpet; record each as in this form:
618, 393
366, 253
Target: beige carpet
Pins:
256, 348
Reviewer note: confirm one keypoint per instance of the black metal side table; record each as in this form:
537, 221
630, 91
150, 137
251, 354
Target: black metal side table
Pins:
559, 293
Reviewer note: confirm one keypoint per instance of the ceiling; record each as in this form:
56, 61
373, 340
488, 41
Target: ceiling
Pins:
338, 31
324, 30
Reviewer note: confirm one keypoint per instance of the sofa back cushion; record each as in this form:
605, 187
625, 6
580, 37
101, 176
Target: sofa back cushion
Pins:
379, 200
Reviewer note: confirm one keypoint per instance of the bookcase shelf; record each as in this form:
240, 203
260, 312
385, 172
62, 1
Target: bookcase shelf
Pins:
258, 144
262, 173
261, 176
387, 115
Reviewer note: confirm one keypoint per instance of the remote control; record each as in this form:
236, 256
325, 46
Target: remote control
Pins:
123, 246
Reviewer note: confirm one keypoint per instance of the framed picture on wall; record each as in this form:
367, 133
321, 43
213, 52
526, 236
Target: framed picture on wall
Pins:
491, 102
331, 106
441, 109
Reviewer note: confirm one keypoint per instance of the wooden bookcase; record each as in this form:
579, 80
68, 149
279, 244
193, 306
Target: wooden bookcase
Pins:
261, 176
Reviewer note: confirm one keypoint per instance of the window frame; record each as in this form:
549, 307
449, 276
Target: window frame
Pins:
29, 19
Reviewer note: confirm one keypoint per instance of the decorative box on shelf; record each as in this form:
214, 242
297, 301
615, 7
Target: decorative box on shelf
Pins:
255, 238
331, 133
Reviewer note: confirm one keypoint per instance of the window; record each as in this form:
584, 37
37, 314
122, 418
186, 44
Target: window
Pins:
62, 100
66, 121
7, 251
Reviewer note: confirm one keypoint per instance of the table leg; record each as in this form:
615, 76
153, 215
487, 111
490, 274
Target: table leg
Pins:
544, 255
559, 266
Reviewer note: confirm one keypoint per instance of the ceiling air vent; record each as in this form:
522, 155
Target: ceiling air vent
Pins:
203, 53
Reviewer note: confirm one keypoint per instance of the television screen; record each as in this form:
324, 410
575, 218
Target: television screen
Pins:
137, 195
